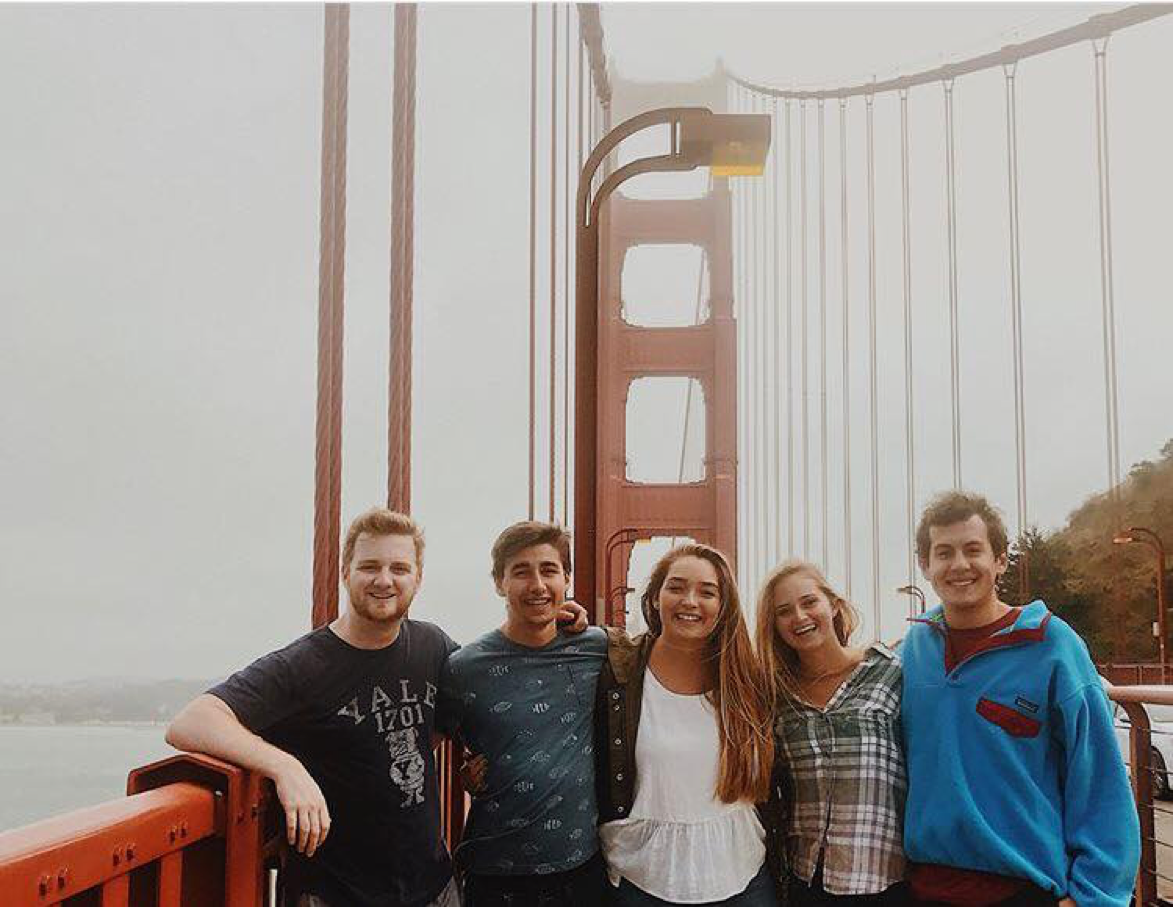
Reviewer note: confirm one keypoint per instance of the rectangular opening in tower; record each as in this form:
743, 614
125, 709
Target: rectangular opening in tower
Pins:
665, 430
665, 285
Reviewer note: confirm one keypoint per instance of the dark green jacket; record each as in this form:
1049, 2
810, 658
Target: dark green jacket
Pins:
617, 708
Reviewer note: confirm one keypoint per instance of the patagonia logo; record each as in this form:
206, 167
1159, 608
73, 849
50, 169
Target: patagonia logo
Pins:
1024, 703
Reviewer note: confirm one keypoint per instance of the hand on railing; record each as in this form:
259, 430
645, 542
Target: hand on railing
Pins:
307, 818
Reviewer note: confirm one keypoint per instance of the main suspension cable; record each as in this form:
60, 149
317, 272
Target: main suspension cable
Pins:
331, 277
402, 258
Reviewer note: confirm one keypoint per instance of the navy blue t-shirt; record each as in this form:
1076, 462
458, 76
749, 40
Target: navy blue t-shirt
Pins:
529, 712
360, 721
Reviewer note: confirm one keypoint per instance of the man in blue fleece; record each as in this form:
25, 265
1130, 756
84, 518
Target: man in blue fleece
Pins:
1017, 794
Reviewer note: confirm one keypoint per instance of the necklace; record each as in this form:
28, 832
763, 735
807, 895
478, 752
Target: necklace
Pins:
811, 680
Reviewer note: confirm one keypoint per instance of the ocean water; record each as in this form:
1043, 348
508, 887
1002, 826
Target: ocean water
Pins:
45, 771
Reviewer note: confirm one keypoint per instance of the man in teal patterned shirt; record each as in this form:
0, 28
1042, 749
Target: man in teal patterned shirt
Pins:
523, 698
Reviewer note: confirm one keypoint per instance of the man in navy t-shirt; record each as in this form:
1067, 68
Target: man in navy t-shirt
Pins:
342, 720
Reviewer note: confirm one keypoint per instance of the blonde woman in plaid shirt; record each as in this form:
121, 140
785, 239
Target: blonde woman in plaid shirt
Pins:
837, 723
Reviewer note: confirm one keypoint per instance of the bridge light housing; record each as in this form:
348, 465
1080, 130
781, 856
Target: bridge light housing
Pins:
731, 144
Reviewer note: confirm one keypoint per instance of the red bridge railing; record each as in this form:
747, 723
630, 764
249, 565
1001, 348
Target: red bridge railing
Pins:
192, 831
197, 832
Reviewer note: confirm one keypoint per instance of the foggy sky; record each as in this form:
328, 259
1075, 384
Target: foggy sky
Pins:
159, 292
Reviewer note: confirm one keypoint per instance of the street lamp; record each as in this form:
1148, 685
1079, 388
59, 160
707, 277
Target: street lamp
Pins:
733, 145
918, 594
1150, 538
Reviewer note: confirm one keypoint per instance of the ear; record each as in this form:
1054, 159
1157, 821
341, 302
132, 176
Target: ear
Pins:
497, 584
1002, 562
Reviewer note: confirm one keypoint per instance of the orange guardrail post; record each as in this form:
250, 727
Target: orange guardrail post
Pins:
243, 798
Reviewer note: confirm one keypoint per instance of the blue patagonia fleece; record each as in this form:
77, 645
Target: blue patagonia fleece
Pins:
1013, 766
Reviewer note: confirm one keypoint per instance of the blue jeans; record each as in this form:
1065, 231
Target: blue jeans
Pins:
759, 892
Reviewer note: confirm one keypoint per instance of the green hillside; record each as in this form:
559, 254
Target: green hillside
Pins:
1106, 591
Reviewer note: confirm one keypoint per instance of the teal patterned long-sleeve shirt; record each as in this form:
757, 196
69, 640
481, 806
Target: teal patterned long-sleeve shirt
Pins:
529, 713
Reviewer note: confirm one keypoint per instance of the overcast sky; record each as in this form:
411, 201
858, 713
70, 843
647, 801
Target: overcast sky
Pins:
159, 293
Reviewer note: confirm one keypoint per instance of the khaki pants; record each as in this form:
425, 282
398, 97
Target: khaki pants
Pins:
449, 897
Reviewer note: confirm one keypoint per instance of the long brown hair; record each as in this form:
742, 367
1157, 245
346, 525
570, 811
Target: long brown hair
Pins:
779, 661
738, 697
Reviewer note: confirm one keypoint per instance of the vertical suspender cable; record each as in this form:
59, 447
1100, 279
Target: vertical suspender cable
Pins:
748, 263
1108, 302
789, 335
331, 273
761, 434
806, 496
1016, 315
845, 270
533, 251
823, 332
402, 260
1107, 295
909, 411
737, 191
954, 341
751, 328
872, 317
553, 391
568, 316
744, 310
776, 499
750, 369
567, 228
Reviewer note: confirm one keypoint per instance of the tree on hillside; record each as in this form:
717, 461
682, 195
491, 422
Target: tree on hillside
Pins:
1044, 562
1119, 581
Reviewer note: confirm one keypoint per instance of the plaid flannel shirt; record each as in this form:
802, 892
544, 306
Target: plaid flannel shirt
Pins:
849, 779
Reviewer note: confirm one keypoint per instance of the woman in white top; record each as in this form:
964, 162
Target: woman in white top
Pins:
685, 748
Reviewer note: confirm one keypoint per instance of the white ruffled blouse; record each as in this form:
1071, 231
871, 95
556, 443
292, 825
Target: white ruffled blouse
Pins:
680, 843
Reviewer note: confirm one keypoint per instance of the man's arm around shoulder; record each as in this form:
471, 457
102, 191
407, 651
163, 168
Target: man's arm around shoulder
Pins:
207, 725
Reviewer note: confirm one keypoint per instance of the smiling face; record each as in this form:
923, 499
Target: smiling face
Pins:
964, 570
689, 601
382, 577
804, 615
533, 585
